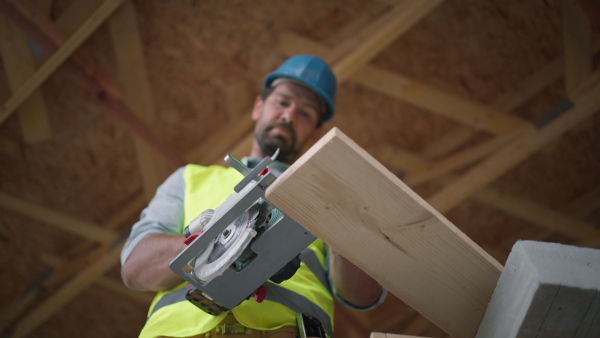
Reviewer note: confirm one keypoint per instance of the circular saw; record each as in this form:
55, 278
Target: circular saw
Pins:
234, 249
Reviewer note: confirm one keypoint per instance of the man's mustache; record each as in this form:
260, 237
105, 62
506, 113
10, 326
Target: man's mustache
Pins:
285, 125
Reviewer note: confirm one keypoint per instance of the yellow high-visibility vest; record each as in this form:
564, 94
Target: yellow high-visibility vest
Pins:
171, 315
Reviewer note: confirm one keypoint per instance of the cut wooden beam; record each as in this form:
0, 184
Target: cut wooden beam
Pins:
577, 43
47, 216
364, 212
19, 65
546, 290
353, 53
514, 153
138, 95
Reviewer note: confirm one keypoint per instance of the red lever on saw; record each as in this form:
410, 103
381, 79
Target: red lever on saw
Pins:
260, 294
192, 237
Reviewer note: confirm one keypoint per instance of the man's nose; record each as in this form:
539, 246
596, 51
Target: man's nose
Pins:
289, 114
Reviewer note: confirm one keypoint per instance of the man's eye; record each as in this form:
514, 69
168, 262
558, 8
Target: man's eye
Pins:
283, 103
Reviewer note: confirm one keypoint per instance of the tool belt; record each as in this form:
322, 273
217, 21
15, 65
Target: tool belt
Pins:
229, 327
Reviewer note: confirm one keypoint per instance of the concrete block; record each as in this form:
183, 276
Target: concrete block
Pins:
546, 290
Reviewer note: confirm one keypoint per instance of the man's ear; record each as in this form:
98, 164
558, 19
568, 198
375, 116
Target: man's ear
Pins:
257, 109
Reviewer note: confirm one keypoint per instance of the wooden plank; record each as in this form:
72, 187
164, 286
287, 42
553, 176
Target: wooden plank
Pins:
58, 58
83, 229
514, 153
19, 65
577, 44
345, 197
546, 290
70, 290
138, 95
355, 52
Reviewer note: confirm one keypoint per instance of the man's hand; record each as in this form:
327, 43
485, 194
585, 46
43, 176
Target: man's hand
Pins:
148, 265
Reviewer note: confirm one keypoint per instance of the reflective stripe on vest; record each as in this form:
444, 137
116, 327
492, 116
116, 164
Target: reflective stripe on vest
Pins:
310, 259
307, 256
299, 303
276, 293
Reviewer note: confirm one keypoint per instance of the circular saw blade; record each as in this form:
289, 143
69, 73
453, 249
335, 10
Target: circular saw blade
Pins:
226, 247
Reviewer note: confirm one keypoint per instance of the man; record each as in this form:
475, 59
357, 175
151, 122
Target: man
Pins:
298, 98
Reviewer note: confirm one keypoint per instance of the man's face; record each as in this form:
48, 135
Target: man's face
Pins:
287, 119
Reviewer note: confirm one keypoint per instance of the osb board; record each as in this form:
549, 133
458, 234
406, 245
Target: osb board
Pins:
200, 54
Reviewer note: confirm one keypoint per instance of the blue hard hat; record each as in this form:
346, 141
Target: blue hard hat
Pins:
311, 71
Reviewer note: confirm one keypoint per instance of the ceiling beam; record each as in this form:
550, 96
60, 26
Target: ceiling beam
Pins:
91, 75
514, 153
419, 94
38, 315
19, 65
53, 40
353, 53
87, 253
138, 97
86, 230
221, 142
577, 45
538, 214
425, 170
461, 159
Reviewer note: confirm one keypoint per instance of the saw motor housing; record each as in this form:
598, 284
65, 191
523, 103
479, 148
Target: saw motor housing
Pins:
275, 243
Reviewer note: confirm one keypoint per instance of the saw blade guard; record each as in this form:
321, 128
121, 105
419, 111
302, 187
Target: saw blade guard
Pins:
227, 247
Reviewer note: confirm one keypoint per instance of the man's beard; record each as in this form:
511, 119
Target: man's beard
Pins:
270, 143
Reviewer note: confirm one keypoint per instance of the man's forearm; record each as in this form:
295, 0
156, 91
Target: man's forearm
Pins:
351, 283
148, 265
